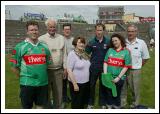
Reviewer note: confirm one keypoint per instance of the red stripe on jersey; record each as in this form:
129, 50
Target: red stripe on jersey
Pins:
13, 61
14, 52
115, 62
35, 59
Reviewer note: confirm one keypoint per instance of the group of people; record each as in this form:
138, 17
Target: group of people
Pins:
46, 64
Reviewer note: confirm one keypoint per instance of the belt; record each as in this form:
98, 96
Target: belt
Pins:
55, 68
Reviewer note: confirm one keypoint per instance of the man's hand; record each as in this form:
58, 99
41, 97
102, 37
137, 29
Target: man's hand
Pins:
65, 74
16, 71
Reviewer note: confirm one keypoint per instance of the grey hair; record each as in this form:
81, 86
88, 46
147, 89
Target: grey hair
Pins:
133, 25
48, 20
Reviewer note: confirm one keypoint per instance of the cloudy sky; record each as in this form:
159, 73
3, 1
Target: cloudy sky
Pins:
89, 12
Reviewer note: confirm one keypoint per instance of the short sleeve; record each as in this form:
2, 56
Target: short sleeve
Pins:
15, 60
71, 59
88, 48
107, 55
145, 53
127, 59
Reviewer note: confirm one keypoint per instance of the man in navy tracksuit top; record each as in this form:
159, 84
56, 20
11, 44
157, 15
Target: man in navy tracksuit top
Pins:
97, 47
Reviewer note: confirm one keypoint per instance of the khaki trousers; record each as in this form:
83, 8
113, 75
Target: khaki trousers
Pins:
55, 84
134, 79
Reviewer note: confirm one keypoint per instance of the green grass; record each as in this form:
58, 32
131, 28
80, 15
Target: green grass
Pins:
12, 100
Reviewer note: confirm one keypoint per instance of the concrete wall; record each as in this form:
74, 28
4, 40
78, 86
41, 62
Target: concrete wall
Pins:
15, 31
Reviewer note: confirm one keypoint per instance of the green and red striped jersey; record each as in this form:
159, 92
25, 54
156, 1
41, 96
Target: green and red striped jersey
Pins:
33, 61
117, 60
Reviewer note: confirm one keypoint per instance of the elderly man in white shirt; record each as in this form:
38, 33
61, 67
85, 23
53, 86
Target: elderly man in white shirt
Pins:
139, 54
56, 45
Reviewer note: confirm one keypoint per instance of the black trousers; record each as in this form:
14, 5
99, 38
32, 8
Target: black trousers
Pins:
114, 100
79, 98
65, 82
94, 75
31, 94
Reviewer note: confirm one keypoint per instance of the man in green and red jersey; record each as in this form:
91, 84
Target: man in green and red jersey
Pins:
29, 61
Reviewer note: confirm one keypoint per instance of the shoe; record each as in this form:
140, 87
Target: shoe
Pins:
103, 107
109, 106
90, 107
62, 106
66, 99
116, 107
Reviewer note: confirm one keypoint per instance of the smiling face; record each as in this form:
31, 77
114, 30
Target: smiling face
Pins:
67, 31
51, 27
99, 32
132, 32
80, 45
116, 42
32, 32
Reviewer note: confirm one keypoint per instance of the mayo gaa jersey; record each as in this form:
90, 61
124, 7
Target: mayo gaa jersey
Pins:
32, 61
117, 60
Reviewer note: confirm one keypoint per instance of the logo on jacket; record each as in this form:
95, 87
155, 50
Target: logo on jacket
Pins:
105, 46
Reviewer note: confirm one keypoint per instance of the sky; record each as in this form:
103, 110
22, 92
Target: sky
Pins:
89, 12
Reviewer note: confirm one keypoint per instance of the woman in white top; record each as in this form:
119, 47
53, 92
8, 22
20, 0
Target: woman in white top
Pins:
78, 74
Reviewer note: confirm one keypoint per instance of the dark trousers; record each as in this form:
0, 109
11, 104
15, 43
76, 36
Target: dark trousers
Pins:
114, 100
65, 82
31, 94
79, 98
94, 75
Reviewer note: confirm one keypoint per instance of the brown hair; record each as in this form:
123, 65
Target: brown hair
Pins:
82, 39
120, 37
99, 24
67, 24
31, 23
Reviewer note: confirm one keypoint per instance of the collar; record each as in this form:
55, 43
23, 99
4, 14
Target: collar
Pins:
27, 40
136, 41
97, 40
50, 36
119, 50
68, 38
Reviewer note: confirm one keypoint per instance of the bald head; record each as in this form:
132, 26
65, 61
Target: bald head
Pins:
51, 26
50, 21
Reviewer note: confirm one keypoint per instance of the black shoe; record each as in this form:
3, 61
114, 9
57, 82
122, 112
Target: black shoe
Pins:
66, 99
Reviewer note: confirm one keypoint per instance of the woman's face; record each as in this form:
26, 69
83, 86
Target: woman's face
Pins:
80, 45
116, 42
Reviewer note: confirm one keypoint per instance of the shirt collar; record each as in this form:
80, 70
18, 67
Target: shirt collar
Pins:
50, 36
128, 42
27, 40
96, 39
119, 50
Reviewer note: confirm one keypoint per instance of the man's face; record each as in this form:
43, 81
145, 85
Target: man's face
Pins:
132, 33
99, 31
33, 32
51, 28
66, 31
